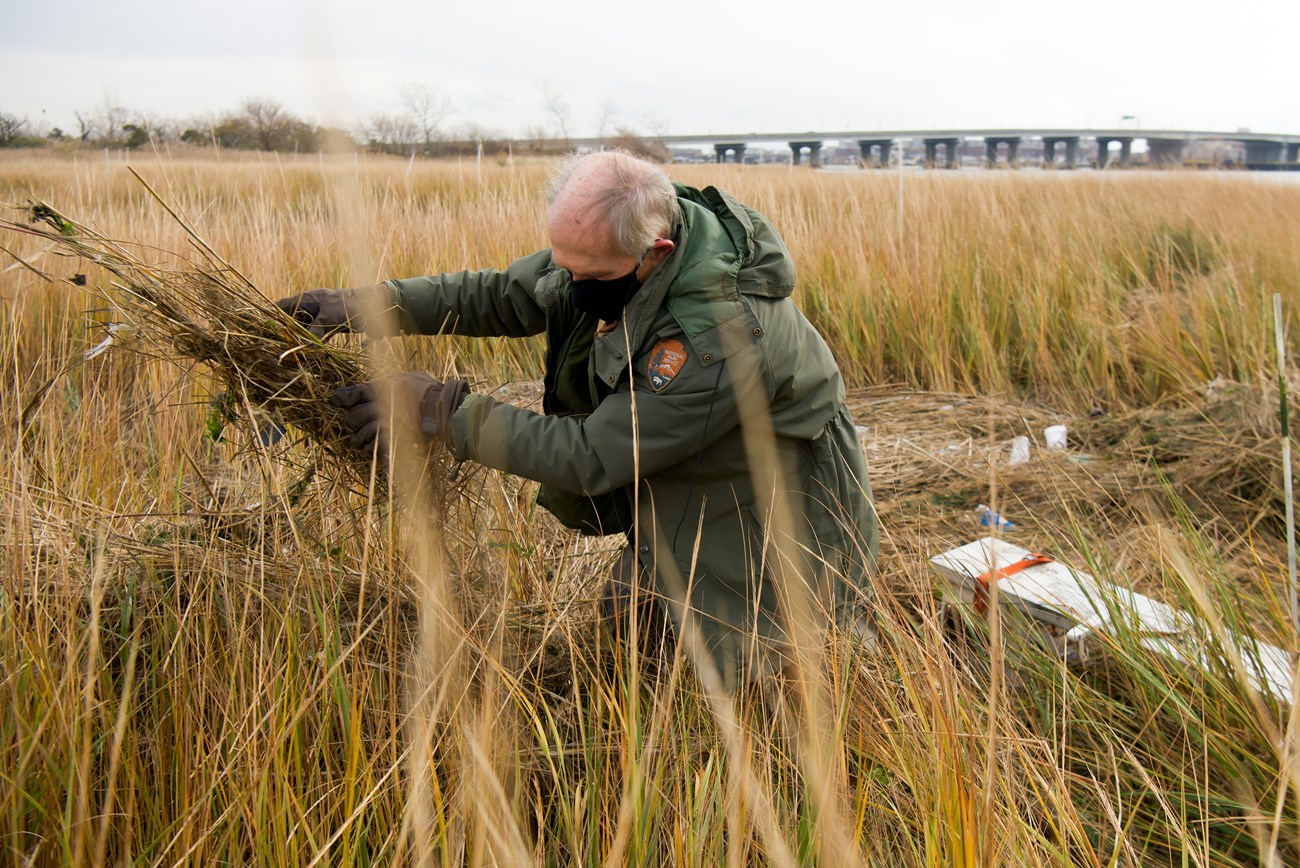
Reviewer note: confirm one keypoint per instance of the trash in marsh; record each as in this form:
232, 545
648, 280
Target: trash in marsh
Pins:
989, 518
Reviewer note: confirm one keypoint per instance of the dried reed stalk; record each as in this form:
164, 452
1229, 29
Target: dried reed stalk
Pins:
199, 307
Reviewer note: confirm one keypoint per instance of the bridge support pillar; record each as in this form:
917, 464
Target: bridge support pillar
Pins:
1261, 153
1103, 150
932, 152
721, 149
1071, 151
814, 153
867, 146
1166, 152
1292, 152
1013, 150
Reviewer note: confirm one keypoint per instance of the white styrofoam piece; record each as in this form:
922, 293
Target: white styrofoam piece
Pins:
1277, 675
1055, 586
1062, 597
1268, 668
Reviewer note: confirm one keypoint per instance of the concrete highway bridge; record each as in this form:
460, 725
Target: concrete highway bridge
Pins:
1060, 147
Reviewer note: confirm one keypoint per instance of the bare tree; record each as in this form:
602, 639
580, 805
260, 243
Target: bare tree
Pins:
556, 105
268, 121
605, 116
656, 126
103, 123
534, 137
427, 107
11, 127
153, 127
87, 126
391, 133
261, 124
112, 117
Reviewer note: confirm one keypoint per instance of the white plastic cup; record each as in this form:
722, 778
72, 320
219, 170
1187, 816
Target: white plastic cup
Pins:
1019, 451
1056, 436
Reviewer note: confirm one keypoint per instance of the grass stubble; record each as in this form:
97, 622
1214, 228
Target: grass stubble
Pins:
216, 648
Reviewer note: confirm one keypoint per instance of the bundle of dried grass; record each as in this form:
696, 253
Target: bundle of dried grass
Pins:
272, 372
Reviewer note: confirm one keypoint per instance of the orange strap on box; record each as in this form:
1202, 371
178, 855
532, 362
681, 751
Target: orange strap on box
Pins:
982, 581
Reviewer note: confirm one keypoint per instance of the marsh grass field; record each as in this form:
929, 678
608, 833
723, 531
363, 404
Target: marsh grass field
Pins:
215, 650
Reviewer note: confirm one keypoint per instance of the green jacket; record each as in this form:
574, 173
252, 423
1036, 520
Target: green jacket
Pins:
714, 412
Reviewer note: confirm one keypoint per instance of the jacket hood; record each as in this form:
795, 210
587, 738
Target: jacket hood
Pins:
765, 266
724, 250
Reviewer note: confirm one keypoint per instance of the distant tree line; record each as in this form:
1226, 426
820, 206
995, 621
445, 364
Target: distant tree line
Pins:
258, 124
420, 128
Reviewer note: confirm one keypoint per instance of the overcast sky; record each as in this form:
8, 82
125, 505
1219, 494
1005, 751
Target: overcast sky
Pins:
677, 66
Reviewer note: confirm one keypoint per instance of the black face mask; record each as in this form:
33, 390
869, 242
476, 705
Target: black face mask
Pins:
605, 298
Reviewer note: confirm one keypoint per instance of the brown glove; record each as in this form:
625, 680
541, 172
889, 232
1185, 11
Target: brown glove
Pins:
420, 410
326, 312
438, 406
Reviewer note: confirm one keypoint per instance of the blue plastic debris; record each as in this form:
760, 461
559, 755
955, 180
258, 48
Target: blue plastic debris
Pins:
989, 518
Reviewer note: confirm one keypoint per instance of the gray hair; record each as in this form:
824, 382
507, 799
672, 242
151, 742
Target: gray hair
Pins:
635, 197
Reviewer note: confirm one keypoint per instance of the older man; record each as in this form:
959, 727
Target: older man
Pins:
688, 404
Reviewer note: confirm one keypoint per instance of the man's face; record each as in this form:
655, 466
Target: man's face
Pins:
585, 248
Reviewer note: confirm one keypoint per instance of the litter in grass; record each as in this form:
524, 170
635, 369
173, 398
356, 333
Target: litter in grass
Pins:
116, 331
1076, 613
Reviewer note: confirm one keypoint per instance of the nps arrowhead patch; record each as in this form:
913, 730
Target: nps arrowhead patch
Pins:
666, 360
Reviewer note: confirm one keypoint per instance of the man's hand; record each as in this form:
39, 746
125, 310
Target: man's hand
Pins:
406, 408
326, 312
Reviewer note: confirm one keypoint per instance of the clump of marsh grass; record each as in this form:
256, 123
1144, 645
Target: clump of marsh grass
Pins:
270, 372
